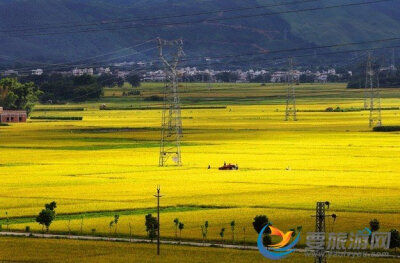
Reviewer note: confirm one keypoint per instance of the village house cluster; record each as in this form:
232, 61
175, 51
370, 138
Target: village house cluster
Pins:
193, 74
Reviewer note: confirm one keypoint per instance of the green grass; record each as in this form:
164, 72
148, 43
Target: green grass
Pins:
110, 214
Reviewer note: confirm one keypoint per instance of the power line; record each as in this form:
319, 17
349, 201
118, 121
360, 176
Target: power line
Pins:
70, 64
205, 20
117, 21
193, 58
304, 48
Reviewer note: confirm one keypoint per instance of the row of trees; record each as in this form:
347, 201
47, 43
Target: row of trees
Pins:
48, 214
22, 94
58, 88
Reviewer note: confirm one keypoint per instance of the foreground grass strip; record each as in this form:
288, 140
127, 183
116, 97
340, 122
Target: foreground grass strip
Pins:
60, 109
160, 108
99, 214
58, 118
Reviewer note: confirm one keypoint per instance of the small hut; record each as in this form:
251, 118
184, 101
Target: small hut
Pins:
12, 116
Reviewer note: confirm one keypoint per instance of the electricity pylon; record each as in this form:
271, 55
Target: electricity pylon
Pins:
372, 95
171, 122
291, 94
320, 227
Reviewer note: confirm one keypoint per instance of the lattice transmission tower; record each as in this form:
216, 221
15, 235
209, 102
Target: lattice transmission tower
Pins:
171, 122
372, 98
320, 227
291, 94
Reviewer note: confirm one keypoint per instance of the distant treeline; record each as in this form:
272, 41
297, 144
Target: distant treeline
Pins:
59, 118
386, 78
58, 88
60, 109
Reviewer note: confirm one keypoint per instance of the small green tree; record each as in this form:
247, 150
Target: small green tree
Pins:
81, 224
222, 233
7, 221
69, 226
176, 222
47, 215
374, 225
133, 79
394, 239
151, 226
233, 224
181, 227
116, 219
204, 231
130, 232
259, 222
110, 225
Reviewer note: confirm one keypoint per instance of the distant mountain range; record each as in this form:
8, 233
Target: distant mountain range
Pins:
256, 32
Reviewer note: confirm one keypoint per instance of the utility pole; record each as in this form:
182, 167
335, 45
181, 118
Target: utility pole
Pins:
320, 227
372, 94
171, 122
158, 196
291, 94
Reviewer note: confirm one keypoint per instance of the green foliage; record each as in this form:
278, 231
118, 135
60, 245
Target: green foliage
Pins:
227, 76
47, 215
394, 239
154, 98
259, 222
17, 96
374, 225
108, 80
204, 230
386, 128
232, 36
57, 88
222, 233
176, 222
133, 79
267, 240
151, 224
181, 226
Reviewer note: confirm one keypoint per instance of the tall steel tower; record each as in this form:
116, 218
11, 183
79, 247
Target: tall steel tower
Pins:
171, 122
372, 95
320, 228
291, 94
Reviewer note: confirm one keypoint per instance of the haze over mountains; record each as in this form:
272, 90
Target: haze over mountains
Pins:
20, 43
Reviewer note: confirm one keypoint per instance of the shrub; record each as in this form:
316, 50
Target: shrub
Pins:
329, 109
154, 98
386, 128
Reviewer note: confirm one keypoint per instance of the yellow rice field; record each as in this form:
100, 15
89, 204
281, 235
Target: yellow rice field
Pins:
109, 162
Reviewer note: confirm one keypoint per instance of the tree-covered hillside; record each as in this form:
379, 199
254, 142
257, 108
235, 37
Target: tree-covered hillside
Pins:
256, 32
